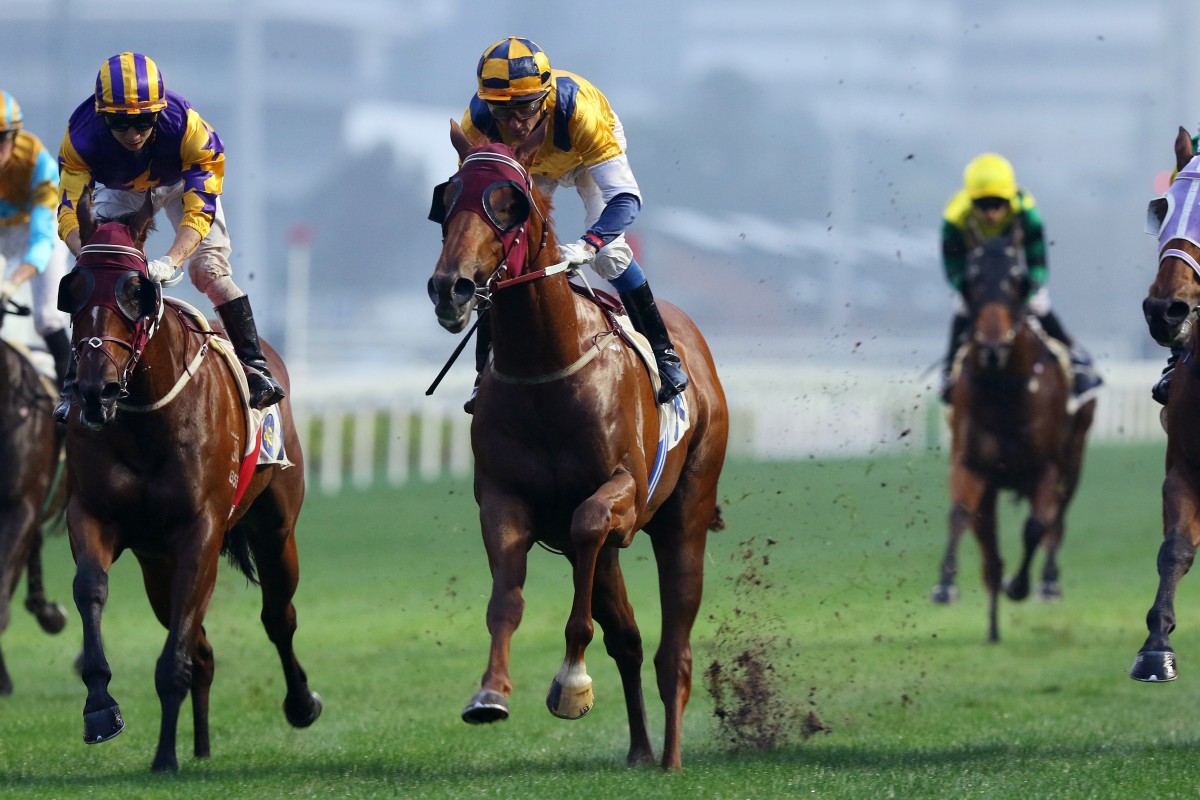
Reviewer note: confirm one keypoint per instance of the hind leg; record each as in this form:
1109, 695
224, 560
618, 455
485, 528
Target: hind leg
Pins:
51, 616
623, 642
14, 545
1045, 509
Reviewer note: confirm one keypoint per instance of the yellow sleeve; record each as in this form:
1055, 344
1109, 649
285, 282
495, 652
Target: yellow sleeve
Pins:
203, 159
74, 175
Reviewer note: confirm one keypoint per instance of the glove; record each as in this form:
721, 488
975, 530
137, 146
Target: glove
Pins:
576, 253
7, 290
162, 270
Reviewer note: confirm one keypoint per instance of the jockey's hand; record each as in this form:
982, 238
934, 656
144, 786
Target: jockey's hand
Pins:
576, 253
162, 270
7, 290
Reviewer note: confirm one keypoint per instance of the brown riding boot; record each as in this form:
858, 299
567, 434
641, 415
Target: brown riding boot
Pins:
238, 320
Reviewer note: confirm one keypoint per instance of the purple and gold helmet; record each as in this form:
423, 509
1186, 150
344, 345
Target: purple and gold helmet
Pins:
10, 113
513, 71
130, 83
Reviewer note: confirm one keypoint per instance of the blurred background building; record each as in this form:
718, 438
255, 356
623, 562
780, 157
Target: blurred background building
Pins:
795, 157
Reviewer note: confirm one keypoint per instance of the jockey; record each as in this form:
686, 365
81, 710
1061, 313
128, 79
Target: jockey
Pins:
29, 249
990, 204
132, 136
584, 147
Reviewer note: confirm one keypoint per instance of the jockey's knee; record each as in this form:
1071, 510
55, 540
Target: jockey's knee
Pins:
219, 289
613, 259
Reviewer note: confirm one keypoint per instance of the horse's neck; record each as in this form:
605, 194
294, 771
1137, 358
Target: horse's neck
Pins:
536, 324
162, 362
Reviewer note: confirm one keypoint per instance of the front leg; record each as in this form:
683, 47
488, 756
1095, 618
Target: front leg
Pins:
610, 510
507, 537
93, 548
1156, 660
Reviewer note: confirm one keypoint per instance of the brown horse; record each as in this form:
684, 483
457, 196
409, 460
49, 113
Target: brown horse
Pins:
154, 455
1011, 429
565, 435
1171, 308
29, 450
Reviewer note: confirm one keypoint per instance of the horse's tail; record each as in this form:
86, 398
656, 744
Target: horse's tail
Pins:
717, 523
237, 549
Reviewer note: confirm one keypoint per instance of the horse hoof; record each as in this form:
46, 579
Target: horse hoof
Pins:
1016, 589
52, 618
943, 595
302, 717
486, 706
570, 699
1050, 591
100, 726
1154, 666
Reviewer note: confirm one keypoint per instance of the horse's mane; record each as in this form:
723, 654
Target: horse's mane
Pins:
124, 219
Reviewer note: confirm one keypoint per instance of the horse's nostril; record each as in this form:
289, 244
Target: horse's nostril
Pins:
433, 292
110, 393
464, 290
1177, 312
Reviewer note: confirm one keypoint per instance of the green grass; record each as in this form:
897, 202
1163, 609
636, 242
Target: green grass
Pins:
824, 572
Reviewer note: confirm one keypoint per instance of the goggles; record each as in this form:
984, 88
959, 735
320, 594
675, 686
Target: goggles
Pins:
991, 203
123, 122
521, 111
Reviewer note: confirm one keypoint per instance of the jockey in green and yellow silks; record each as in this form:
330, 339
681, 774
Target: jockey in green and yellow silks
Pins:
133, 136
583, 147
29, 248
989, 204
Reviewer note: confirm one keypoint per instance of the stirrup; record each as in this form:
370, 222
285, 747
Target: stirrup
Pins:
63, 409
1161, 388
671, 374
265, 391
469, 406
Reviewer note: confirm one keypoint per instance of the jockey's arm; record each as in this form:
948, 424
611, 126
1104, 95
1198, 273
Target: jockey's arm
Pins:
187, 239
622, 200
954, 254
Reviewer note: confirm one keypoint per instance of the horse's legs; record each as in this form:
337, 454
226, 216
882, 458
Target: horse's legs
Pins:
51, 616
203, 669
1045, 511
965, 491
14, 545
1181, 518
623, 642
610, 509
279, 575
989, 552
679, 540
94, 549
506, 537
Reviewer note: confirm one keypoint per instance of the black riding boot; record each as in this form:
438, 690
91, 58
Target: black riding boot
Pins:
643, 313
65, 394
238, 320
59, 347
958, 328
483, 346
1085, 378
1160, 390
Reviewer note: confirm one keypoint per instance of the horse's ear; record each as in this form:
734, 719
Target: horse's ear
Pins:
139, 226
1184, 151
458, 138
83, 212
526, 150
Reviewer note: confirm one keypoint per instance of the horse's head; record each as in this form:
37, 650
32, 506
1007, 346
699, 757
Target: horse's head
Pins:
1171, 303
490, 213
996, 288
114, 308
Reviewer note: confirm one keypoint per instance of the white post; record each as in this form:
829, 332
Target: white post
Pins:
299, 262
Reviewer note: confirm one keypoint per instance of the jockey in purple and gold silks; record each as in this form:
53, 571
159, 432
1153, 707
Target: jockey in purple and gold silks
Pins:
132, 136
29, 248
990, 204
584, 147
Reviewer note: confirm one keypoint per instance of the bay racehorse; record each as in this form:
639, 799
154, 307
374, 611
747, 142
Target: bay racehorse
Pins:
156, 450
1011, 429
1171, 309
30, 495
565, 436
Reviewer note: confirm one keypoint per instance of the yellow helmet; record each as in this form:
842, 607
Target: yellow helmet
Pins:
130, 83
10, 113
513, 71
990, 175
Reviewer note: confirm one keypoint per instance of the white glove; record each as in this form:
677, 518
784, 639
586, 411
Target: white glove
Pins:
576, 253
161, 270
7, 290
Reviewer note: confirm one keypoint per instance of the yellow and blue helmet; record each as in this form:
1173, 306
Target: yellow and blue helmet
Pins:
513, 71
130, 83
990, 175
10, 113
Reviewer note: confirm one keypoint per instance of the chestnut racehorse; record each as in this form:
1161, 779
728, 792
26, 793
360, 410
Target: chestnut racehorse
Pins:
1171, 308
29, 450
565, 435
155, 442
1011, 429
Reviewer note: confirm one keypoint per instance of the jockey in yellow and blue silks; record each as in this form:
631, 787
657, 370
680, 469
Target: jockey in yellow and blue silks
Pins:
29, 247
132, 136
584, 147
991, 204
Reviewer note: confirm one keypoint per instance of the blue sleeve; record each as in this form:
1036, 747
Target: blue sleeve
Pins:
43, 230
618, 215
